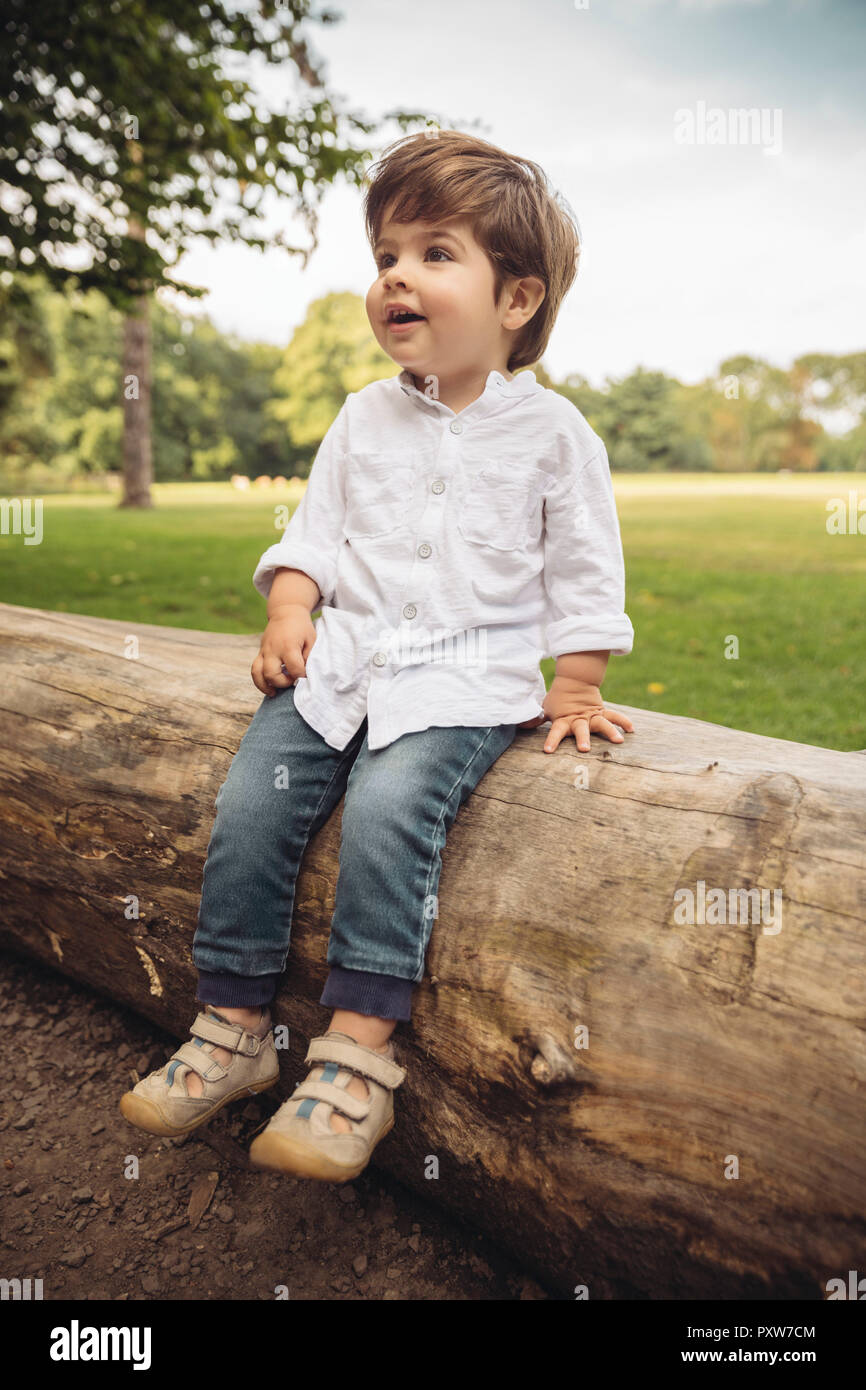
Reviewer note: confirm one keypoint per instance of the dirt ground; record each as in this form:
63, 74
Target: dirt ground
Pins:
198, 1221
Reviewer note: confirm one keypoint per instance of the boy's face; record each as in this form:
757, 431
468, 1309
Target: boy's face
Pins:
438, 270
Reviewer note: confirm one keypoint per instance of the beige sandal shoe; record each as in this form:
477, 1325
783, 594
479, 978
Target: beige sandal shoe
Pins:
161, 1103
299, 1138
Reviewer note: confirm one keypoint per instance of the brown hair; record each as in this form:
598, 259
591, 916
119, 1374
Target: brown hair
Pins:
524, 226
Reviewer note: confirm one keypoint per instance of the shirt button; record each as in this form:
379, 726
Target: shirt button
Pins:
438, 486
424, 550
456, 427
409, 610
379, 659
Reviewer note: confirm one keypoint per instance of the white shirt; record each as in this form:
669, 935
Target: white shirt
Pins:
452, 553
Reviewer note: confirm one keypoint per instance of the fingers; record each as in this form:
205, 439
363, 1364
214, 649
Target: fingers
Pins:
258, 679
609, 730
606, 724
599, 724
621, 719
558, 730
268, 674
273, 670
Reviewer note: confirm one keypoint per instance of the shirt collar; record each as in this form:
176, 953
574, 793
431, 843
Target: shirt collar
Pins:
496, 390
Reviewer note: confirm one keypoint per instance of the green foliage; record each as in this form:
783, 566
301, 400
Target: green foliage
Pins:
643, 429
209, 392
332, 352
845, 454
127, 130
750, 417
222, 406
209, 398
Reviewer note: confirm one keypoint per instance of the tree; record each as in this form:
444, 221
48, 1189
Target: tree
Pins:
128, 132
640, 421
331, 353
588, 399
27, 361
835, 382
771, 405
60, 417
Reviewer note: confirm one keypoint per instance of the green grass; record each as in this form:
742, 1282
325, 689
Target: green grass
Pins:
747, 556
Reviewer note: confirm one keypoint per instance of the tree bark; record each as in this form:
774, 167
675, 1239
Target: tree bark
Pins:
137, 440
137, 457
706, 1143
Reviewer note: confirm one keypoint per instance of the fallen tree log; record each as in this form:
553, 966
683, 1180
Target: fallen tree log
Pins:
629, 1101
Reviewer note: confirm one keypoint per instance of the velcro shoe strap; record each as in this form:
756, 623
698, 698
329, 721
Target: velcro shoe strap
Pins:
360, 1059
207, 1066
351, 1106
226, 1035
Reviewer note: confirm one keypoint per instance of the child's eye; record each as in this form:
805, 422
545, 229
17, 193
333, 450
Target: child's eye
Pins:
386, 255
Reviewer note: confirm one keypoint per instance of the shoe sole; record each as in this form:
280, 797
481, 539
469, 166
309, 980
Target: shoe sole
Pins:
282, 1153
144, 1114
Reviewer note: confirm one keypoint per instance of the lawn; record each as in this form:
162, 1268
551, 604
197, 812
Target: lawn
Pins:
708, 559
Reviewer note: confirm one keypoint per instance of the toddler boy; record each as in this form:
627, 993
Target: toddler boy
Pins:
458, 525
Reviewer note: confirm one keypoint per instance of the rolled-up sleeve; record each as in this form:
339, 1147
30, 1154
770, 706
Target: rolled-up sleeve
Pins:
584, 573
314, 533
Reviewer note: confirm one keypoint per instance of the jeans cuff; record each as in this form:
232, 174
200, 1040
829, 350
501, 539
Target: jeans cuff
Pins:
235, 991
365, 992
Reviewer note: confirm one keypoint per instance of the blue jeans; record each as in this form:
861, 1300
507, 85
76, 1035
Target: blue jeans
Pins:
282, 785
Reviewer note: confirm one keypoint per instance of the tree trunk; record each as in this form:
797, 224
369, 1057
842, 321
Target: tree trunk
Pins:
137, 462
706, 1143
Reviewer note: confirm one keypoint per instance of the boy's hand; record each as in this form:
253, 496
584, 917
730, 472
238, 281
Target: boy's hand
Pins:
287, 641
573, 707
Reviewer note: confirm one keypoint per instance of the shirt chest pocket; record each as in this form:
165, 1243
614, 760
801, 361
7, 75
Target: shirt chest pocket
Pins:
379, 494
501, 509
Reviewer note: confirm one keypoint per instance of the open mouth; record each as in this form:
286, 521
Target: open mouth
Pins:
404, 316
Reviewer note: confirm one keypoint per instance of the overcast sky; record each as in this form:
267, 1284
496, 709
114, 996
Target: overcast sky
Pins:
692, 251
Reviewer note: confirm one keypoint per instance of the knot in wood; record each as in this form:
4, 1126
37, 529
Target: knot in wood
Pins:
552, 1064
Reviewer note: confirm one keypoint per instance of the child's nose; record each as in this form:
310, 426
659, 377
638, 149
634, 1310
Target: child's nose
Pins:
396, 273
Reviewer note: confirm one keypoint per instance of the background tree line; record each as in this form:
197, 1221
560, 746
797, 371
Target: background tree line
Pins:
224, 406
128, 131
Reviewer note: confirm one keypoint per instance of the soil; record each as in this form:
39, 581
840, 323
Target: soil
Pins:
195, 1221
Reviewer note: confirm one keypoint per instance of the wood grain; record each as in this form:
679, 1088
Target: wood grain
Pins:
602, 1165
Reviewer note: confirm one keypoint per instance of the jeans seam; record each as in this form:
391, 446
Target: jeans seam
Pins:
425, 935
338, 768
306, 838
